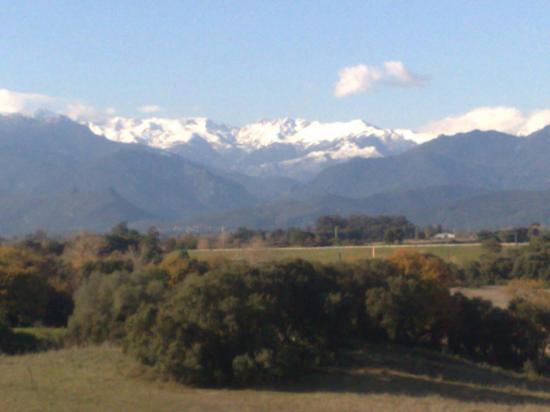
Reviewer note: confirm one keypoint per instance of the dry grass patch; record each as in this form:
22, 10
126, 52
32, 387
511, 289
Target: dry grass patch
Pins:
376, 379
498, 295
457, 253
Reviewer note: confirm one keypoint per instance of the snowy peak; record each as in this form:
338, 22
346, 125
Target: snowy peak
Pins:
291, 147
308, 133
164, 133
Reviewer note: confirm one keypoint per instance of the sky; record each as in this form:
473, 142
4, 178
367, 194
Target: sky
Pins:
424, 65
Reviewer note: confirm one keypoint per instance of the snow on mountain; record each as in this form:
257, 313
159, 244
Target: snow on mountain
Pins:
291, 147
164, 133
307, 133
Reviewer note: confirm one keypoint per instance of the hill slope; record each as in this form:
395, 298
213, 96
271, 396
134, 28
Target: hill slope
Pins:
455, 207
491, 160
378, 378
45, 162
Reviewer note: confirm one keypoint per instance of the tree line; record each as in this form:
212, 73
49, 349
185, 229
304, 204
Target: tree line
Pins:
219, 322
327, 231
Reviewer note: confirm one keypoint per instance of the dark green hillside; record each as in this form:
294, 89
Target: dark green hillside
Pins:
45, 162
66, 212
491, 160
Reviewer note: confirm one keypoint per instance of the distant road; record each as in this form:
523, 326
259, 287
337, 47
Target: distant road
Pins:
455, 252
365, 246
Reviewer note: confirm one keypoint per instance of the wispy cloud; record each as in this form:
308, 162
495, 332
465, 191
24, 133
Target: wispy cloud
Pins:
28, 103
501, 118
151, 108
362, 78
18, 102
82, 112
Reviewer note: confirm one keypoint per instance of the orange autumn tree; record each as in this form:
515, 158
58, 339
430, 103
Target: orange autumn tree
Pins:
415, 306
426, 266
178, 265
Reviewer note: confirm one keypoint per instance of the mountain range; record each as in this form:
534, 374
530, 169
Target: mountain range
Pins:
59, 176
293, 148
194, 174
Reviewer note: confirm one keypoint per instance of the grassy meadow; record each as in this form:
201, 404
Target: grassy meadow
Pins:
457, 253
376, 378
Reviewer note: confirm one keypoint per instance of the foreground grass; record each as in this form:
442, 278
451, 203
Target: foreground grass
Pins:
457, 253
375, 379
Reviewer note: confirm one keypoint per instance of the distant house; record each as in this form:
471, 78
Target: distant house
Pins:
444, 236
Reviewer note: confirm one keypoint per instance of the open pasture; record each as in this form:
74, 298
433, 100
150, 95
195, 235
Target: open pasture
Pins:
457, 253
377, 378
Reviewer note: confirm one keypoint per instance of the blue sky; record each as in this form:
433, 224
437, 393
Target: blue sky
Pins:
242, 61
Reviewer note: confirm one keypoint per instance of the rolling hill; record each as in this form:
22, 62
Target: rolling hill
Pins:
453, 206
56, 174
490, 160
59, 176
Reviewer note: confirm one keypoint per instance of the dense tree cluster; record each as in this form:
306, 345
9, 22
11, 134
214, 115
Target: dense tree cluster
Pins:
221, 322
31, 288
236, 323
327, 231
498, 264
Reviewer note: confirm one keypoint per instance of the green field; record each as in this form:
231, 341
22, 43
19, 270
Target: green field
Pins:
457, 253
376, 378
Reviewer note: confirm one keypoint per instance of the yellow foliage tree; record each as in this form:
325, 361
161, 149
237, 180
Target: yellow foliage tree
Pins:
23, 285
428, 267
178, 265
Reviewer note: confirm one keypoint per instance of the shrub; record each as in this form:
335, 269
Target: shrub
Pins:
353, 282
104, 302
410, 309
23, 286
425, 266
238, 324
533, 265
178, 265
498, 336
106, 266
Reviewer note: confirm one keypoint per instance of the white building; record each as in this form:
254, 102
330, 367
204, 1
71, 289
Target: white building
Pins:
444, 236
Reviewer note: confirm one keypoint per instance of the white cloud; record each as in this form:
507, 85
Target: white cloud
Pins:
397, 74
356, 79
17, 102
82, 112
535, 121
28, 103
362, 78
501, 118
152, 108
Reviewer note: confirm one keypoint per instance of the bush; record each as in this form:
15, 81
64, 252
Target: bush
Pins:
106, 266
424, 266
104, 302
24, 289
353, 282
410, 310
178, 265
532, 265
238, 325
497, 336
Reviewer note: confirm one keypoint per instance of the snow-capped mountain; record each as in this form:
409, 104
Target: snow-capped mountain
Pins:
164, 133
295, 148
